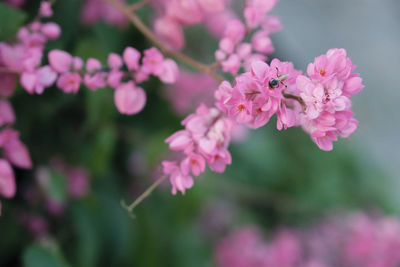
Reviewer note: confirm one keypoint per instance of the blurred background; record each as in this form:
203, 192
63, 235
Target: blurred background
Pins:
276, 179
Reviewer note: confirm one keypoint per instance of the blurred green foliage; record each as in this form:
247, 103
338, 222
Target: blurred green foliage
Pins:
276, 177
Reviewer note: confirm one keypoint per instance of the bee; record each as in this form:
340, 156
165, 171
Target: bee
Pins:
280, 78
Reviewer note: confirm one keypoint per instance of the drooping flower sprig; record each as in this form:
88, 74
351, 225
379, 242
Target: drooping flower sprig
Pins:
319, 102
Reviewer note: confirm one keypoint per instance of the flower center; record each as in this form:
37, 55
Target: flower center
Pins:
241, 107
322, 72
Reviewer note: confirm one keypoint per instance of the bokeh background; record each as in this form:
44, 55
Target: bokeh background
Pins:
277, 178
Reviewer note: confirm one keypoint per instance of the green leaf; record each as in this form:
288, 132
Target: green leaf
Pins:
11, 20
39, 256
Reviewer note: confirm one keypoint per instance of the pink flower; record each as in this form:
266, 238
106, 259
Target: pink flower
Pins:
60, 60
131, 58
153, 62
45, 9
7, 115
51, 30
98, 10
69, 82
326, 95
129, 99
212, 6
178, 180
186, 12
170, 32
14, 150
95, 78
114, 61
37, 81
193, 163
262, 43
235, 31
231, 65
7, 180
170, 71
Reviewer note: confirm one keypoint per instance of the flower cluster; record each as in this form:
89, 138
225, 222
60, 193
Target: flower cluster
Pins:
14, 152
173, 15
258, 94
24, 57
122, 73
359, 240
205, 139
234, 52
326, 93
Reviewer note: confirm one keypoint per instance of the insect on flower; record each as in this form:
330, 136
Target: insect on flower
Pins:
274, 83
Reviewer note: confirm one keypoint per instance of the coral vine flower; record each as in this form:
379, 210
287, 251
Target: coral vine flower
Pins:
129, 98
326, 94
205, 139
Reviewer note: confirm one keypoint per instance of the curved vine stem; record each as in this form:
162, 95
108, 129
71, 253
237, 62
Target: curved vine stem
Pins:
137, 22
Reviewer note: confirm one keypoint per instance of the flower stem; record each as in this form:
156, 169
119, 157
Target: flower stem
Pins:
144, 195
297, 98
154, 39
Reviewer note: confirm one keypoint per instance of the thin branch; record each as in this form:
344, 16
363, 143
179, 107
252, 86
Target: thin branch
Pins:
153, 38
294, 97
144, 195
135, 7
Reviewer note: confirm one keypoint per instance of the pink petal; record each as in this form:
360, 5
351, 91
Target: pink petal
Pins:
129, 99
60, 60
17, 153
7, 180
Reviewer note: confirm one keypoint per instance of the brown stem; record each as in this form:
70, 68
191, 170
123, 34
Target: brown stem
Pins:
150, 35
135, 7
297, 98
144, 195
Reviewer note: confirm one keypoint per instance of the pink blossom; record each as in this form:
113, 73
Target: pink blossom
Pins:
206, 137
231, 65
212, 6
193, 163
14, 150
129, 99
7, 180
37, 81
95, 78
69, 82
45, 9
60, 60
235, 31
51, 30
131, 58
7, 115
262, 43
170, 71
178, 180
326, 95
170, 32
153, 62
186, 12
98, 10
114, 61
